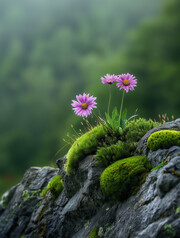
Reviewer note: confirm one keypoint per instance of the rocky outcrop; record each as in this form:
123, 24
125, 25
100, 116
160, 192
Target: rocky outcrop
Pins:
154, 211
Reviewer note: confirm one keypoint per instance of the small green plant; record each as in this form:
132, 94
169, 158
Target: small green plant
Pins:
178, 210
94, 233
160, 165
167, 231
55, 186
114, 123
163, 139
123, 178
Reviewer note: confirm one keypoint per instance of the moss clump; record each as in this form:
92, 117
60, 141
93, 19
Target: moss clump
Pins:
83, 146
163, 139
178, 210
125, 147
167, 232
55, 186
123, 178
108, 155
94, 233
107, 145
136, 129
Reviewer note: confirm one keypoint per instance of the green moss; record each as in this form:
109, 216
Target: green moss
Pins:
83, 146
123, 178
160, 165
125, 147
178, 210
108, 155
55, 186
44, 192
163, 139
94, 233
167, 232
107, 145
136, 129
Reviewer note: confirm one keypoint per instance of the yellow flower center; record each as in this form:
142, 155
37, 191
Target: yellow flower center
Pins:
126, 82
84, 105
110, 81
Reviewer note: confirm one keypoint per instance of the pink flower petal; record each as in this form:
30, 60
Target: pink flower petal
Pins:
85, 98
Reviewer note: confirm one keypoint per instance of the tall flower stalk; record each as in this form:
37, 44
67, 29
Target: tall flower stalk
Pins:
109, 103
120, 112
109, 79
126, 82
85, 103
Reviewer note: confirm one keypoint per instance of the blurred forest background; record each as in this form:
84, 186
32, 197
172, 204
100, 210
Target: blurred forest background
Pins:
52, 50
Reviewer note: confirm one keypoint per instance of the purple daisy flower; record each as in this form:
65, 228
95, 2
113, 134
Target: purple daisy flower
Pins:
110, 79
126, 82
84, 105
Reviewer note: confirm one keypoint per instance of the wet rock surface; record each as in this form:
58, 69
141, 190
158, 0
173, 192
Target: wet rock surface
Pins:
153, 212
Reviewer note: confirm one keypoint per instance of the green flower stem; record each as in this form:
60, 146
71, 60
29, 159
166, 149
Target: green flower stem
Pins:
120, 113
109, 98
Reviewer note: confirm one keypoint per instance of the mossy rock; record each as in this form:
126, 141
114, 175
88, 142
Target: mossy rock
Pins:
94, 233
108, 146
163, 139
124, 177
55, 186
85, 145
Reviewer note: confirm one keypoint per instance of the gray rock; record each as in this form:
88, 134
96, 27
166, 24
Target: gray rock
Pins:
154, 211
165, 182
156, 157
